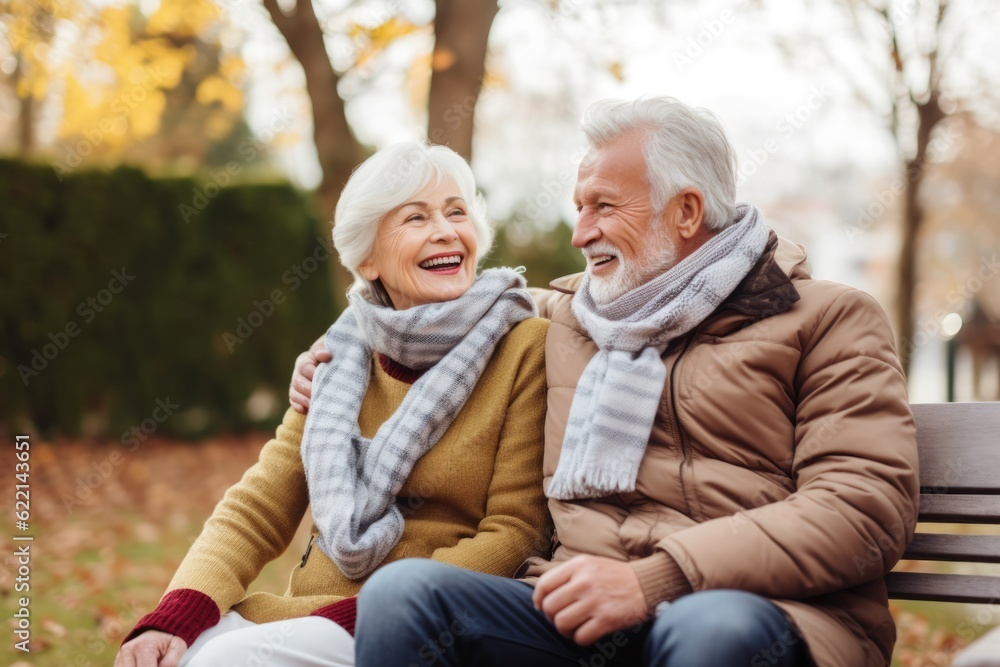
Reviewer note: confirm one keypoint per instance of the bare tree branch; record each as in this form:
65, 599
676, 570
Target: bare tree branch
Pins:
336, 147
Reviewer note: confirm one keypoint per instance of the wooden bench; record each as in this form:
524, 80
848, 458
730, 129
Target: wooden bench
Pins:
959, 450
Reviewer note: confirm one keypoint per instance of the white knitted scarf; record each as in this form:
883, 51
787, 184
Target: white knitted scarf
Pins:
617, 397
353, 481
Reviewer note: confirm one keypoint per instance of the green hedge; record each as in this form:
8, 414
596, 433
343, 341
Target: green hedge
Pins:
119, 291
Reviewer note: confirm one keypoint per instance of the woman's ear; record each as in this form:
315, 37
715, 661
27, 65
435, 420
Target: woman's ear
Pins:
368, 270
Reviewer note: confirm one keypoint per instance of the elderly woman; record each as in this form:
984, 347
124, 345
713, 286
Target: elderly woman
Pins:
424, 437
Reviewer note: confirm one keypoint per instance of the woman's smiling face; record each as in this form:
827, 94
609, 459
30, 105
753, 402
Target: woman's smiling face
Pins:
425, 250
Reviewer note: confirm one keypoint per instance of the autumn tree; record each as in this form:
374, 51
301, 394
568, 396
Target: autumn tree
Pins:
29, 27
154, 90
910, 63
960, 258
461, 30
915, 88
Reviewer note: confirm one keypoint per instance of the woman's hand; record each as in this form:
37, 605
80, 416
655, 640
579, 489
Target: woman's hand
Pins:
152, 649
300, 391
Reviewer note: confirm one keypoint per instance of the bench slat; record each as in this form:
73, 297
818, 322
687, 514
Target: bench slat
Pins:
937, 508
968, 588
956, 548
958, 446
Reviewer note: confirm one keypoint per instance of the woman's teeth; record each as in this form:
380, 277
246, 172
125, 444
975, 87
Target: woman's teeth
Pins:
441, 262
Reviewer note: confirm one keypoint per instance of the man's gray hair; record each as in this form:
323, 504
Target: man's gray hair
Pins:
684, 147
386, 181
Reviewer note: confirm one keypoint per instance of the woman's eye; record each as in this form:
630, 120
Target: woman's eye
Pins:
457, 211
415, 218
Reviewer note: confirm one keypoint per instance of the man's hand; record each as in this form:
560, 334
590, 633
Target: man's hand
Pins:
588, 597
152, 649
300, 391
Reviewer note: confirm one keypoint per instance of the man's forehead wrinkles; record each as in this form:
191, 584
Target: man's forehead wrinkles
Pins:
590, 190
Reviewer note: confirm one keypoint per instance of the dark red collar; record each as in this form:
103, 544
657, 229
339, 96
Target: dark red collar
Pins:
398, 371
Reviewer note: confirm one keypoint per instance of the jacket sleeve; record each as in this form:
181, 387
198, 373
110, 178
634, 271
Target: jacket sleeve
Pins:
253, 523
516, 525
854, 465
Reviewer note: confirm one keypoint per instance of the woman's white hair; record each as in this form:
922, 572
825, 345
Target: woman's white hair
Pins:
386, 181
683, 146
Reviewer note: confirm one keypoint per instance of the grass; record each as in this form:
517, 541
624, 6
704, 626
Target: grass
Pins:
104, 552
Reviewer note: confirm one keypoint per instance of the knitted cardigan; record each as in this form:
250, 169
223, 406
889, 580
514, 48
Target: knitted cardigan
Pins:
475, 500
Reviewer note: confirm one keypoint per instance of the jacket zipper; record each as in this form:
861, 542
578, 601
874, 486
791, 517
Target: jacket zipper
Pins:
681, 434
309, 548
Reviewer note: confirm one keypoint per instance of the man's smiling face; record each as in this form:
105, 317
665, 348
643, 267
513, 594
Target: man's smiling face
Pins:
624, 242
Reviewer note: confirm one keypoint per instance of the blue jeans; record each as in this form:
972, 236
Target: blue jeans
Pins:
419, 613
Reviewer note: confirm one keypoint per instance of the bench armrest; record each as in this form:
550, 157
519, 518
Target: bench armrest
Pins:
984, 652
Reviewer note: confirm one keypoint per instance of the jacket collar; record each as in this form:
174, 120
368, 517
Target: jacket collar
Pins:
767, 290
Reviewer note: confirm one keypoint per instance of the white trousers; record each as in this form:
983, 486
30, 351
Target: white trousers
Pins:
298, 642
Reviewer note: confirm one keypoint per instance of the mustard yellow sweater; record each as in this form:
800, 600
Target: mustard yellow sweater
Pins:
475, 500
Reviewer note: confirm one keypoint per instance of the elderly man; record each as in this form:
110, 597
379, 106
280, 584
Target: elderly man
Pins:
730, 458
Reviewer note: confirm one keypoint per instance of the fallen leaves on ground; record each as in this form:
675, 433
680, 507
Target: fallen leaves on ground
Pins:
111, 525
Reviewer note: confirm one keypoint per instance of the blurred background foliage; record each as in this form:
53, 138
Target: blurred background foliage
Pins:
220, 289
186, 91
207, 315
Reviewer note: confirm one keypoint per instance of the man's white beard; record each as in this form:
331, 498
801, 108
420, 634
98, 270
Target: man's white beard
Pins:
659, 257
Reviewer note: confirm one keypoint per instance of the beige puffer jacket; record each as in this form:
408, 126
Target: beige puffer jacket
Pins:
783, 459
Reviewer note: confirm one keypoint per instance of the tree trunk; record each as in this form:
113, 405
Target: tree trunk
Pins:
26, 126
461, 28
929, 114
461, 32
26, 114
337, 149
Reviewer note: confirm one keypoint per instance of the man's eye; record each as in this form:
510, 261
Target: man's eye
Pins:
603, 205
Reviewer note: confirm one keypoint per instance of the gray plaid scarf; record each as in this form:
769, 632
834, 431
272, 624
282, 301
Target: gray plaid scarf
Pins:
617, 397
353, 481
